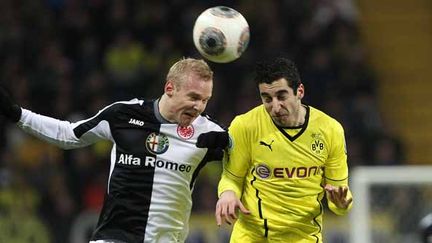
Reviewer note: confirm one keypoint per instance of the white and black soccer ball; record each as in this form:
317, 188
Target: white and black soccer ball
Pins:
221, 34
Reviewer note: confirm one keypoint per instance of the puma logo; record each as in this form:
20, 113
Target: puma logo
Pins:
267, 145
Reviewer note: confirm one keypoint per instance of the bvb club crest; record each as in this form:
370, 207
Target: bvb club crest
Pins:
157, 143
317, 145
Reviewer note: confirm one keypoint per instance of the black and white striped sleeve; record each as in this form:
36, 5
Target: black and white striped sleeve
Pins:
65, 134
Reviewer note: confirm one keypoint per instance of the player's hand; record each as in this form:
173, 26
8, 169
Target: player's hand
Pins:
338, 195
213, 140
8, 107
226, 208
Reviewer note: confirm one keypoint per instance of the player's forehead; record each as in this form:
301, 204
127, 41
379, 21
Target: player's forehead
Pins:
197, 87
277, 87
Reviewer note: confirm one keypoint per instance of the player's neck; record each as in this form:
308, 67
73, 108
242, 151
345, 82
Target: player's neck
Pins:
301, 116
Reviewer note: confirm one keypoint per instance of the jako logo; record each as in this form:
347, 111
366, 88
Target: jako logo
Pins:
129, 159
136, 122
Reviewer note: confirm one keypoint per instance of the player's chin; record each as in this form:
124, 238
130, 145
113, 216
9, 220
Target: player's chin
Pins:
187, 119
278, 120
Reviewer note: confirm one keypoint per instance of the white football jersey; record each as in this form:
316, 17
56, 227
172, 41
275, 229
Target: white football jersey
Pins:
153, 167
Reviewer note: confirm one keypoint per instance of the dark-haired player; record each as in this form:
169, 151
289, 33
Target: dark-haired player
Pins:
283, 158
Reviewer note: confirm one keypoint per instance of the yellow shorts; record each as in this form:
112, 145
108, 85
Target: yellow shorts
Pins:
243, 232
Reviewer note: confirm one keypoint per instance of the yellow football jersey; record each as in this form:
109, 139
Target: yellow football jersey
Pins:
279, 174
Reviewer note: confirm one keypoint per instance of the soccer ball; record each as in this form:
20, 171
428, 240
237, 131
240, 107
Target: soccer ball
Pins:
221, 34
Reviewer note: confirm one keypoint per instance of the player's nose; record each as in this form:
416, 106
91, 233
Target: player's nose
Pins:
199, 106
276, 106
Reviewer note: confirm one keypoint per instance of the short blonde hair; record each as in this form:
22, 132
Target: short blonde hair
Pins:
185, 66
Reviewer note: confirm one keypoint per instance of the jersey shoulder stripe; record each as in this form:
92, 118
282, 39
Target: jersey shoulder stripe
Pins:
88, 124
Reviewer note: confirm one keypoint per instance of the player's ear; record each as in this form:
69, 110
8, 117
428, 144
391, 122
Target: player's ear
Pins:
300, 91
169, 88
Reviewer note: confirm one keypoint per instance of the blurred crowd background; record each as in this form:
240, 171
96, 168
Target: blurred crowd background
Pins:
69, 58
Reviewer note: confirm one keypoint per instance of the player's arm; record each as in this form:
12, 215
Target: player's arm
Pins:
235, 167
61, 133
339, 196
65, 134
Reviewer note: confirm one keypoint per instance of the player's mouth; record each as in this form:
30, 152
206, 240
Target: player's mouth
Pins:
190, 114
187, 118
280, 115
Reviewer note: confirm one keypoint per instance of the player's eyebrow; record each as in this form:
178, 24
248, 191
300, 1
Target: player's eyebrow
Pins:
283, 91
197, 96
279, 92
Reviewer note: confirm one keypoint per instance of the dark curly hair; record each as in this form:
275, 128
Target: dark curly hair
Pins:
272, 70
